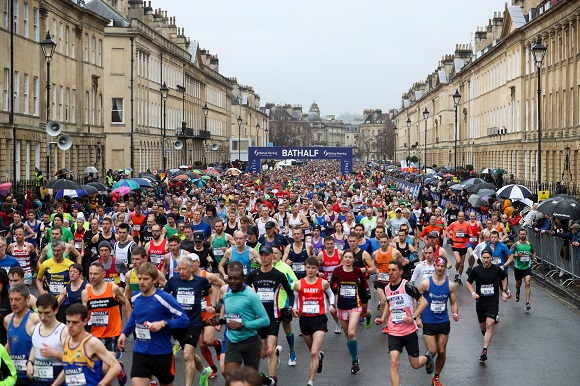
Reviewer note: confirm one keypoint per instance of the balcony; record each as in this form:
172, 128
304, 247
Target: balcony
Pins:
189, 133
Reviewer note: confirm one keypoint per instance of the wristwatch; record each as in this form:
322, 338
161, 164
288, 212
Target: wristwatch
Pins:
414, 317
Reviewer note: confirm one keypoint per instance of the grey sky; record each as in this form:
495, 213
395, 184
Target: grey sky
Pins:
345, 55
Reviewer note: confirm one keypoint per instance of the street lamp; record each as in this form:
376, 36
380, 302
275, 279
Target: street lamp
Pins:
425, 115
258, 133
48, 47
205, 113
266, 131
164, 93
395, 144
409, 137
539, 52
239, 138
456, 100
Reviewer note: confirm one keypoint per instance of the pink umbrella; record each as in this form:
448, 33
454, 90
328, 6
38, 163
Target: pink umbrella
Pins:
122, 190
5, 188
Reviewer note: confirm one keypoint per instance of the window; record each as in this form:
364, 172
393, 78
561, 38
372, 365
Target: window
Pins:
35, 24
25, 93
117, 110
60, 106
66, 39
86, 108
72, 43
86, 47
16, 22
100, 110
73, 106
5, 90
16, 91
35, 91
60, 35
25, 21
100, 61
93, 49
66, 105
6, 14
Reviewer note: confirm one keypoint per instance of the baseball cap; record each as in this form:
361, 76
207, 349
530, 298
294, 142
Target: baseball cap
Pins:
318, 227
266, 249
194, 257
433, 234
398, 210
198, 236
270, 225
253, 230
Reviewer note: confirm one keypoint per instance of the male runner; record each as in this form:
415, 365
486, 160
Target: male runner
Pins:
459, 233
524, 256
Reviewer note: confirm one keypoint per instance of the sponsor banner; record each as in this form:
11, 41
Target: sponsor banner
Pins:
344, 154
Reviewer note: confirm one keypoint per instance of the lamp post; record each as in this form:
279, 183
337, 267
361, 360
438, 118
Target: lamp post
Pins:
539, 52
266, 131
258, 133
239, 138
395, 144
48, 46
425, 115
409, 137
456, 100
205, 113
164, 93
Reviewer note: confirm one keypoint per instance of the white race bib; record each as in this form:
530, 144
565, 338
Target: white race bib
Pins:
298, 267
43, 370
473, 239
20, 364
234, 318
142, 332
75, 379
55, 288
203, 303
397, 316
459, 234
383, 276
266, 294
348, 291
78, 245
311, 307
185, 299
218, 252
99, 319
486, 290
496, 261
438, 307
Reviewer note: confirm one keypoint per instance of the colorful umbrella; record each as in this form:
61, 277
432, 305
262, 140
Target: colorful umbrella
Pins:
205, 177
122, 190
233, 172
128, 183
486, 171
185, 167
125, 171
199, 182
71, 193
5, 188
212, 172
143, 182
182, 177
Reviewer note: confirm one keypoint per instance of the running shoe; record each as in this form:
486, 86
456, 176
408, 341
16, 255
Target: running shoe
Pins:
517, 296
176, 348
528, 307
118, 354
468, 271
122, 376
320, 360
430, 365
203, 377
361, 320
509, 293
154, 383
355, 367
292, 359
435, 381
274, 380
483, 356
386, 330
218, 349
214, 373
368, 321
459, 282
497, 318
338, 329
456, 278
278, 351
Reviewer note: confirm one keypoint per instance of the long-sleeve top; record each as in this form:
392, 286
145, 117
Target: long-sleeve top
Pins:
245, 307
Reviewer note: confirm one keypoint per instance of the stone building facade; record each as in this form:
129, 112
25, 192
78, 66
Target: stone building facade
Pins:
376, 135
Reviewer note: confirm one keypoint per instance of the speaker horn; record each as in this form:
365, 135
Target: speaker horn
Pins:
215, 146
53, 128
178, 145
64, 142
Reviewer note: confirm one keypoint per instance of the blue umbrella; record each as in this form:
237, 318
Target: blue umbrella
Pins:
71, 193
143, 182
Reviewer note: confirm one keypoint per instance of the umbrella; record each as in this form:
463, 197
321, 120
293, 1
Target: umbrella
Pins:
233, 172
184, 167
199, 182
90, 189
561, 206
71, 193
182, 177
486, 171
125, 171
476, 201
471, 181
197, 171
143, 182
62, 183
205, 177
5, 188
498, 171
525, 201
192, 175
477, 187
212, 172
514, 191
91, 169
100, 187
122, 190
63, 171
457, 187
174, 171
128, 183
447, 175
486, 193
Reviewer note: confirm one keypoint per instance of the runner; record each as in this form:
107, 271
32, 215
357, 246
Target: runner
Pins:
474, 239
362, 260
239, 252
488, 278
459, 232
24, 252
157, 247
71, 293
69, 251
437, 290
53, 274
402, 315
296, 253
383, 258
524, 256
220, 241
15, 276
310, 307
502, 256
170, 260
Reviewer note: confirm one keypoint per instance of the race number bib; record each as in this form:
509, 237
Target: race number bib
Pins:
348, 291
487, 290
459, 234
43, 370
438, 307
20, 364
99, 319
383, 276
203, 303
266, 294
525, 257
397, 316
55, 288
473, 239
136, 228
298, 267
142, 332
185, 298
234, 318
311, 307
75, 378
496, 261
78, 245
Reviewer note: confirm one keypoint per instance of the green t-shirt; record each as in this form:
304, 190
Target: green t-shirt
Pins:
525, 260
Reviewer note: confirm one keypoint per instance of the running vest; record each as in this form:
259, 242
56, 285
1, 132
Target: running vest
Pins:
298, 260
358, 259
473, 239
46, 369
525, 260
311, 299
35, 228
329, 263
78, 239
104, 313
20, 344
383, 259
317, 246
243, 258
157, 252
400, 305
79, 369
229, 230
73, 297
172, 268
23, 258
124, 253
437, 296
111, 274
134, 280
340, 243
216, 245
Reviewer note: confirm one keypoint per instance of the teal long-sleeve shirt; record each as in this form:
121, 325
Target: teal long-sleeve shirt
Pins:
244, 306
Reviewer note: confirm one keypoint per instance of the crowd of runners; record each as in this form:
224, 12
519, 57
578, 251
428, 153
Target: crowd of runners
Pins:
211, 274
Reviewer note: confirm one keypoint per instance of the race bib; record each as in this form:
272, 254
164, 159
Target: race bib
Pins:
298, 267
348, 291
486, 290
383, 276
99, 319
473, 239
55, 288
218, 252
459, 234
185, 298
234, 318
438, 307
397, 316
75, 379
78, 245
245, 269
136, 228
203, 303
20, 365
142, 332
525, 258
155, 259
266, 294
311, 307
496, 261
43, 370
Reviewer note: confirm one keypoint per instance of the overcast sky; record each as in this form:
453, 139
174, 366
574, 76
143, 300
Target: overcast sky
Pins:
345, 55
